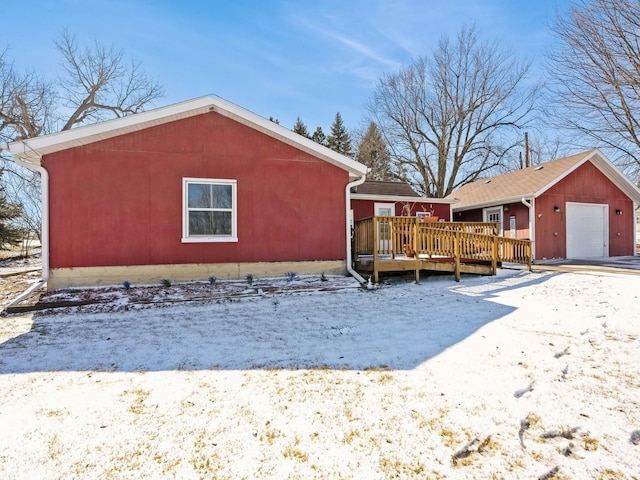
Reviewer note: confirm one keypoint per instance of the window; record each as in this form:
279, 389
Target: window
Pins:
209, 210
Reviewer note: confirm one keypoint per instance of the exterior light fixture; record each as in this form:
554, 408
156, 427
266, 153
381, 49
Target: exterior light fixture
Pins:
618, 212
556, 209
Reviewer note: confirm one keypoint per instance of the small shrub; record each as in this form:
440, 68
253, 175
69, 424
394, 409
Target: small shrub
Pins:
126, 285
73, 291
212, 279
275, 302
250, 278
323, 277
166, 282
291, 276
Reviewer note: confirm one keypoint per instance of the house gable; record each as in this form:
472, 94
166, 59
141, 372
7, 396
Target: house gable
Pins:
585, 185
586, 178
33, 149
531, 182
119, 201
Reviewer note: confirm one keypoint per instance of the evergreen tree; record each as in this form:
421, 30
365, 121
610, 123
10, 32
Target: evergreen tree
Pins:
300, 128
9, 233
373, 152
339, 140
319, 137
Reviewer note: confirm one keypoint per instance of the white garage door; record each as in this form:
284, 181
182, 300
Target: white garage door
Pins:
587, 230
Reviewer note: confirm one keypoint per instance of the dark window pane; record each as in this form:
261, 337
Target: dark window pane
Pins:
210, 223
204, 195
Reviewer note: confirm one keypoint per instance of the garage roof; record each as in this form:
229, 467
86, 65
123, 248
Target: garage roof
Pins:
532, 181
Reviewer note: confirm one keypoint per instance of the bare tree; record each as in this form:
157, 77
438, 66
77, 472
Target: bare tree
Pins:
452, 117
99, 83
595, 68
96, 83
26, 102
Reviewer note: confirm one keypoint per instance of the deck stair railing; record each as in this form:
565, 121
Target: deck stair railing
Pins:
477, 241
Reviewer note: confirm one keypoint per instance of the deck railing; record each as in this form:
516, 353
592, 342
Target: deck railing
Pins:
476, 241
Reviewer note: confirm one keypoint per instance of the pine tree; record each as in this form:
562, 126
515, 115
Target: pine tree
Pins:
9, 233
300, 128
339, 140
319, 137
373, 152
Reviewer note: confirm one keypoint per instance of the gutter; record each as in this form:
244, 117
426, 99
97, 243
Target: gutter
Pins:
350, 269
44, 234
532, 224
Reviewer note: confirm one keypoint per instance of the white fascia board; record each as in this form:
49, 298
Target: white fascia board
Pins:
400, 198
603, 164
566, 173
246, 117
34, 148
608, 169
495, 203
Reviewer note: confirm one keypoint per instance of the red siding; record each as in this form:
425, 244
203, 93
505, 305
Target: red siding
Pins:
119, 201
521, 213
586, 185
365, 208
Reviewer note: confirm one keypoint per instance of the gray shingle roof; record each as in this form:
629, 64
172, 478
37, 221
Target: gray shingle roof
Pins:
394, 189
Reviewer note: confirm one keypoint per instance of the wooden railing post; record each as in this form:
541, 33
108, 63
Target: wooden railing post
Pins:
376, 244
392, 237
494, 255
414, 234
456, 255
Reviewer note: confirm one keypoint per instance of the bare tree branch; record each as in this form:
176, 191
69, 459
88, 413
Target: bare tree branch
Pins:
454, 116
96, 83
595, 68
99, 83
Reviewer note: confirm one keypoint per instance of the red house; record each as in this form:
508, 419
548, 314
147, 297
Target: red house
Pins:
579, 206
395, 199
196, 189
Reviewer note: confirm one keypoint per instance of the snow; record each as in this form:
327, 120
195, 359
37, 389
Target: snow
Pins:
521, 375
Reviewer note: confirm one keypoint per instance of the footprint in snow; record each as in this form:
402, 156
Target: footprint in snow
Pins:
523, 391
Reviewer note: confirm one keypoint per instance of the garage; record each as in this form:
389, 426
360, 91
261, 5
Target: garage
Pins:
587, 230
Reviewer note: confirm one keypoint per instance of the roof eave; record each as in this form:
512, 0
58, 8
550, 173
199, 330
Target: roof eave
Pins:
289, 137
401, 198
494, 203
34, 148
608, 169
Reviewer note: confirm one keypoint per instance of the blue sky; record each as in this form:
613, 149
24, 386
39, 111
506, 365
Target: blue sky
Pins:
279, 58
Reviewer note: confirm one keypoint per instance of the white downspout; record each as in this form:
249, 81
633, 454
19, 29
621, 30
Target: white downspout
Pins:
532, 225
44, 232
350, 269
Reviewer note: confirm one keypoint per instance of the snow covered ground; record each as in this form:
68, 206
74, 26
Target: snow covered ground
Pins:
522, 375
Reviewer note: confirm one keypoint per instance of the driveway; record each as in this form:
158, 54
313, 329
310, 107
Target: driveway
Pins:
629, 265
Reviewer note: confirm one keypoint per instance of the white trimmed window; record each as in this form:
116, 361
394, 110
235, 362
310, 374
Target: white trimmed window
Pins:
209, 210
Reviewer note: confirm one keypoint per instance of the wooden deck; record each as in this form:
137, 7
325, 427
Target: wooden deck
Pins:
406, 244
